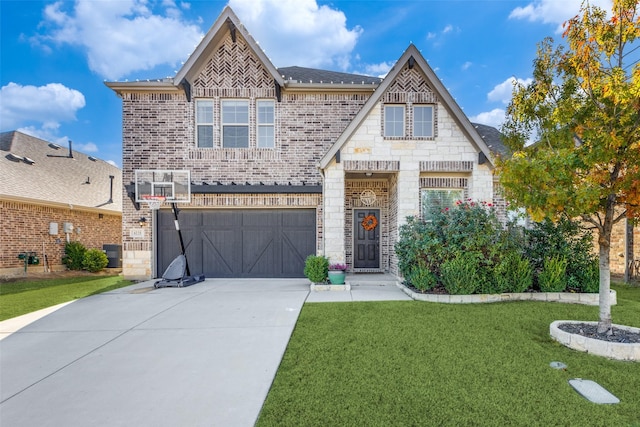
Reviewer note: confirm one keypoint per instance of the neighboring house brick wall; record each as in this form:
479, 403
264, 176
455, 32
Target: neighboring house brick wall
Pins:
30, 232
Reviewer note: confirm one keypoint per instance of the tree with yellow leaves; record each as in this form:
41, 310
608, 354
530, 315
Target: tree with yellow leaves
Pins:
583, 111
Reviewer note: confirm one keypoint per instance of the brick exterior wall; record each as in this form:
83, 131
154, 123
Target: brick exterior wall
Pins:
26, 228
159, 133
353, 189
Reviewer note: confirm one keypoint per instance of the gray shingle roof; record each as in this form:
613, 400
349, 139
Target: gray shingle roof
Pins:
493, 138
308, 75
34, 170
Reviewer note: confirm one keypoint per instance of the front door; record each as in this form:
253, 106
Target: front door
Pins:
366, 232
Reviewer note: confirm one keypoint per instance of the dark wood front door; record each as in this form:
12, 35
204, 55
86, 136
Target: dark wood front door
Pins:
366, 245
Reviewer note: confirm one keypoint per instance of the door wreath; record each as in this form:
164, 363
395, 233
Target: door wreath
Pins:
370, 222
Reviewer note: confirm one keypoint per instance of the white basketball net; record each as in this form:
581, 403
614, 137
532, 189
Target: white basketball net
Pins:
154, 202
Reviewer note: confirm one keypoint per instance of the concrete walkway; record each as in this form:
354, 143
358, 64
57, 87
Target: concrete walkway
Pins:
205, 355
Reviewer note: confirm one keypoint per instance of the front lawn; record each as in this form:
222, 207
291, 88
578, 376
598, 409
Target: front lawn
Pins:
417, 363
22, 297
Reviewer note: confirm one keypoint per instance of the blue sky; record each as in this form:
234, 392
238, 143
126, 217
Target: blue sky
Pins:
55, 56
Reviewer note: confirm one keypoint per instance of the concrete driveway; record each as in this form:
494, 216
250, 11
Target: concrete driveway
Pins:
204, 355
199, 356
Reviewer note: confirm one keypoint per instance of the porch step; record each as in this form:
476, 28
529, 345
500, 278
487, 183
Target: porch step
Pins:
380, 279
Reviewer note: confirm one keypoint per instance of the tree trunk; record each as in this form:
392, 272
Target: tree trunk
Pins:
604, 324
604, 243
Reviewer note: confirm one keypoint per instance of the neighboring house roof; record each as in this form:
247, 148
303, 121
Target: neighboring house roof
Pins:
417, 60
493, 138
37, 171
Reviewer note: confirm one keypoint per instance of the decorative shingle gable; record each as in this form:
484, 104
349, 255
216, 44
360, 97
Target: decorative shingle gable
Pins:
410, 86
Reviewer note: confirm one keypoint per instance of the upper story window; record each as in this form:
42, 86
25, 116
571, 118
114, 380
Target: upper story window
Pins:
394, 120
265, 123
204, 122
235, 123
423, 121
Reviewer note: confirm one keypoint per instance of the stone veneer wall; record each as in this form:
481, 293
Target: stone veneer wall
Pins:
353, 189
26, 228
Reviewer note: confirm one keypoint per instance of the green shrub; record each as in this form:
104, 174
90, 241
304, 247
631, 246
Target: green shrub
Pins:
566, 239
94, 260
421, 278
553, 277
587, 280
513, 274
460, 275
74, 255
316, 268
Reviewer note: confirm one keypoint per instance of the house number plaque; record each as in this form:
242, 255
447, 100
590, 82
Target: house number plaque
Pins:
368, 197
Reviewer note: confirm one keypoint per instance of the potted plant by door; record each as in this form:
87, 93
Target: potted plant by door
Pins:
337, 273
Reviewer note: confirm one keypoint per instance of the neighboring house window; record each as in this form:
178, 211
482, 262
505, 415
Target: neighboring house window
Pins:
235, 124
204, 123
265, 123
435, 200
423, 121
394, 120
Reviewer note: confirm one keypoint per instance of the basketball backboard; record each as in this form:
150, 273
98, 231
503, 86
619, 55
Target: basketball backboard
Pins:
173, 185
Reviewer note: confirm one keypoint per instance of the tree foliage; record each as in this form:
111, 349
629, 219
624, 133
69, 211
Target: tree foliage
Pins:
583, 111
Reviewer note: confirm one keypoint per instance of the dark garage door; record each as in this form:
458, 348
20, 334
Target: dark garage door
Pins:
239, 243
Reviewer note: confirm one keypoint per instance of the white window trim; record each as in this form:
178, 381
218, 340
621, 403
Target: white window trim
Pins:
404, 120
223, 124
198, 123
271, 125
433, 127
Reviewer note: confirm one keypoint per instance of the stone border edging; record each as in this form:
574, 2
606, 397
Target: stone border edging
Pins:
611, 350
564, 297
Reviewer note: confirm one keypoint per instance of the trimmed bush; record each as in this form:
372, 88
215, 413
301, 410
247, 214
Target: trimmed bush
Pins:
316, 268
553, 277
74, 255
421, 278
513, 274
94, 260
460, 276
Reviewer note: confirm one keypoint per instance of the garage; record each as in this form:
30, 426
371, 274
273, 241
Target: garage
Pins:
237, 243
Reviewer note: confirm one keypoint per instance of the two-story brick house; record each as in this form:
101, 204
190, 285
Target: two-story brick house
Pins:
293, 161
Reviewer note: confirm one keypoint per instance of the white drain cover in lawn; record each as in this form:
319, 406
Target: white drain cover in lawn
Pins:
593, 391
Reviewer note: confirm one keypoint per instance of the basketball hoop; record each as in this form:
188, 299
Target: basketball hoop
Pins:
153, 202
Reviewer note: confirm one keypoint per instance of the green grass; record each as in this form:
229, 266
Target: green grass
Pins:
426, 364
17, 298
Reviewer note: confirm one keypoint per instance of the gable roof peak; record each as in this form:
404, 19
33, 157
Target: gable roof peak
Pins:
227, 22
413, 58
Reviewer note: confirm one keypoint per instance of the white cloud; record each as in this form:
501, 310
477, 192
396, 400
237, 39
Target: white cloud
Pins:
120, 37
379, 70
502, 92
48, 105
493, 118
553, 11
299, 32
89, 147
466, 65
112, 163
